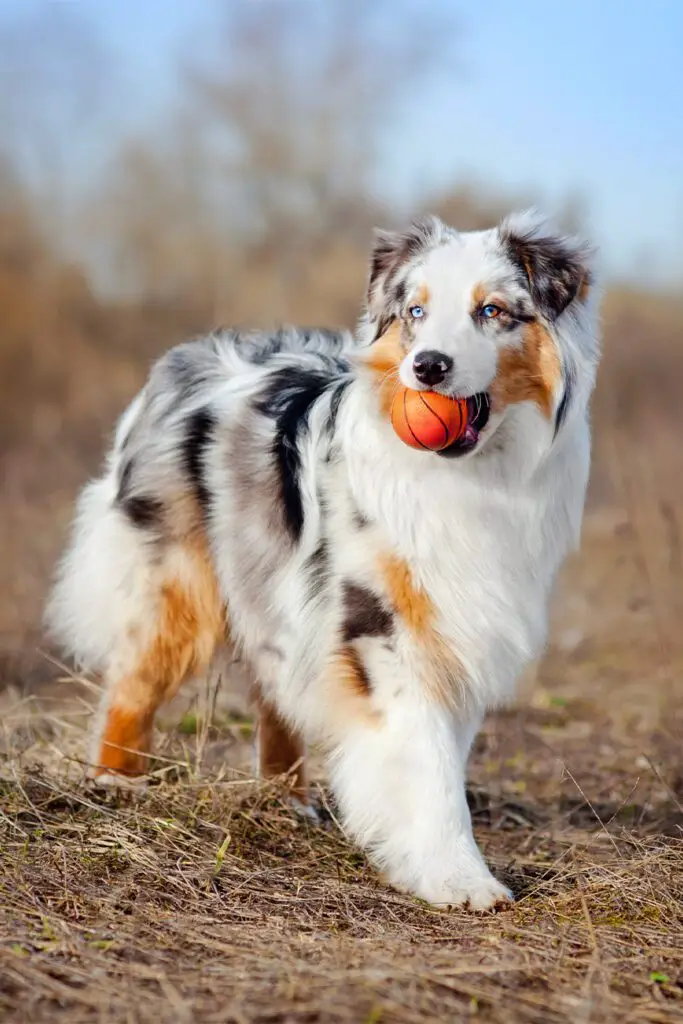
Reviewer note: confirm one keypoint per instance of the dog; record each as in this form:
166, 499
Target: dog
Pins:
256, 495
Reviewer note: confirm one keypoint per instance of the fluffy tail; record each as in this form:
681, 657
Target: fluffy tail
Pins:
103, 578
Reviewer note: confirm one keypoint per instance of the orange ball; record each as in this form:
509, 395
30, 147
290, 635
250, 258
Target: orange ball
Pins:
428, 420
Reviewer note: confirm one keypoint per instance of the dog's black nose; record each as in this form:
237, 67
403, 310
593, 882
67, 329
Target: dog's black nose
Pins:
431, 367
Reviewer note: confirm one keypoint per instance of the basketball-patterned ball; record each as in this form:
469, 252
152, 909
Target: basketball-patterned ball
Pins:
428, 420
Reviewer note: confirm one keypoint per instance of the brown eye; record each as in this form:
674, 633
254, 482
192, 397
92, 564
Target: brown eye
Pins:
490, 311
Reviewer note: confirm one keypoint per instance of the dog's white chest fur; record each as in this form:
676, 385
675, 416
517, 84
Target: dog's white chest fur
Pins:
484, 540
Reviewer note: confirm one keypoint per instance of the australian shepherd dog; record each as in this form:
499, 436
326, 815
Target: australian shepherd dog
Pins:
383, 597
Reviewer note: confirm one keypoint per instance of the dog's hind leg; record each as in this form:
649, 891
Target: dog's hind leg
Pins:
183, 625
144, 611
279, 749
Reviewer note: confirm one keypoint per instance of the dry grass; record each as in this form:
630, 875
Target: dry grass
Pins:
205, 898
199, 901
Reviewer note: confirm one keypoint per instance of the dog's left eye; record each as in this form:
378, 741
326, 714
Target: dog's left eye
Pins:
490, 311
417, 312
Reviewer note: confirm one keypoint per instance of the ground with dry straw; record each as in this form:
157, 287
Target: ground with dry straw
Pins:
205, 897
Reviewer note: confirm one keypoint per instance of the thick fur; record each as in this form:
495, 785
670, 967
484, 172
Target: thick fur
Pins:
384, 597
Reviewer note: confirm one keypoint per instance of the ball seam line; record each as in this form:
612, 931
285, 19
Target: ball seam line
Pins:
414, 435
435, 413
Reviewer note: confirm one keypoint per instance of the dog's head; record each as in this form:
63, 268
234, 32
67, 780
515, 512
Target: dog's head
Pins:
504, 318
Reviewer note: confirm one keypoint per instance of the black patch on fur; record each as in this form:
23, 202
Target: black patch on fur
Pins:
187, 372
518, 315
335, 402
199, 433
288, 398
143, 511
258, 351
549, 267
360, 520
384, 322
364, 613
391, 251
565, 401
333, 454
124, 480
334, 339
317, 568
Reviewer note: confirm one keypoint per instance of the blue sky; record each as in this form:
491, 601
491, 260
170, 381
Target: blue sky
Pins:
556, 98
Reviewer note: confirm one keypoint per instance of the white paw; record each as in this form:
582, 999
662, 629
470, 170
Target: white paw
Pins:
112, 780
481, 892
308, 811
312, 810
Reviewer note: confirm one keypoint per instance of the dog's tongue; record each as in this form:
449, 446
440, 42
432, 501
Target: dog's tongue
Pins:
470, 435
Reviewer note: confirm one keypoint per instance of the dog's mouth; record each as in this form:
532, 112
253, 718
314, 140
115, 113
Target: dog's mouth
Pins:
478, 412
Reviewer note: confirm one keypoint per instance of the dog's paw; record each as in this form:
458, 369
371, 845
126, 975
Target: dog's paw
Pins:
311, 810
306, 810
475, 893
114, 781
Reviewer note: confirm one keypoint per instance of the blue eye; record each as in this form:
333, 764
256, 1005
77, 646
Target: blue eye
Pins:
490, 311
417, 312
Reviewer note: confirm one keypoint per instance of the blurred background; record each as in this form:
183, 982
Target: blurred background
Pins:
167, 166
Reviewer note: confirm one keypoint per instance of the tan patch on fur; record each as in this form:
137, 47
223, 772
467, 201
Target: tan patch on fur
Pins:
383, 359
125, 742
279, 748
479, 296
421, 296
190, 622
352, 670
413, 605
410, 603
584, 289
349, 689
529, 372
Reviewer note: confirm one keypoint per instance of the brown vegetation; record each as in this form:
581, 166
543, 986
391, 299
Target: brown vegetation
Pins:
206, 898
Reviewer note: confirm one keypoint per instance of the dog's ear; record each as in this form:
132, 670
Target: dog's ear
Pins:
556, 269
392, 254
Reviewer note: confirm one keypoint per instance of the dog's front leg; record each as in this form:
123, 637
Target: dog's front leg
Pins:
401, 789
